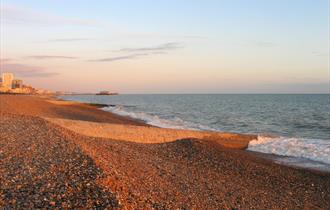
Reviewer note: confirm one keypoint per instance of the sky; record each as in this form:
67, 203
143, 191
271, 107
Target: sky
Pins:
168, 46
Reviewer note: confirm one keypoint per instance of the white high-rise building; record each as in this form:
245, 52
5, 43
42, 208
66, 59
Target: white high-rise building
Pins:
7, 80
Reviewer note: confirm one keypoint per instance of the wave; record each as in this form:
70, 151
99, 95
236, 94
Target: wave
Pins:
301, 148
174, 122
301, 152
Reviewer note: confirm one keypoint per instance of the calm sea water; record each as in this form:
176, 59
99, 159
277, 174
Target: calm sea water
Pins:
300, 122
306, 116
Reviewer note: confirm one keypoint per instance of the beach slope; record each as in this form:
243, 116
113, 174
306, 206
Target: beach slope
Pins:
47, 164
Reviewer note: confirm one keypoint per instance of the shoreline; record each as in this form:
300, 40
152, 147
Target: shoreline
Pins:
137, 171
59, 101
82, 128
303, 164
100, 130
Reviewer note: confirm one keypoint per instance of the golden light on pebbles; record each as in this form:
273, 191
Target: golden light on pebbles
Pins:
150, 135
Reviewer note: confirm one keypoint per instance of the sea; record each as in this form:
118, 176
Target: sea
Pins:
293, 127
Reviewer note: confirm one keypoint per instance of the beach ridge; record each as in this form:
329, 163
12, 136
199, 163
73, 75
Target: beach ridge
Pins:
75, 155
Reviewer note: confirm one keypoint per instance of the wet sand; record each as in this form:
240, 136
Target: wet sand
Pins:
47, 165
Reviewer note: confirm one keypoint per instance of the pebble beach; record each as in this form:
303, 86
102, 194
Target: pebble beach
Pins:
47, 162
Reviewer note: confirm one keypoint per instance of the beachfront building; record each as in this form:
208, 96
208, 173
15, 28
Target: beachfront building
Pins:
10, 85
7, 80
17, 83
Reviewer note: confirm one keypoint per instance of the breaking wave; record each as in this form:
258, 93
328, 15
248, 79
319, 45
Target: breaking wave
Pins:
174, 122
311, 149
299, 150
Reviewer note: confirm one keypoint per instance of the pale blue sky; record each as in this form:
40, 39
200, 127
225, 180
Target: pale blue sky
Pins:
168, 46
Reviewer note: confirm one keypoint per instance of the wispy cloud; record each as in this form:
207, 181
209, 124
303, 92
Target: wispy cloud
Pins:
134, 53
163, 36
69, 40
162, 47
19, 15
42, 57
117, 58
23, 70
2, 60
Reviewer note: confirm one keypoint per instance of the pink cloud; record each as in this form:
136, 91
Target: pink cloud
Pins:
23, 70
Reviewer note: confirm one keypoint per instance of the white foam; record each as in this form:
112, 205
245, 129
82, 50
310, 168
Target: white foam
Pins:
174, 123
311, 149
308, 153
